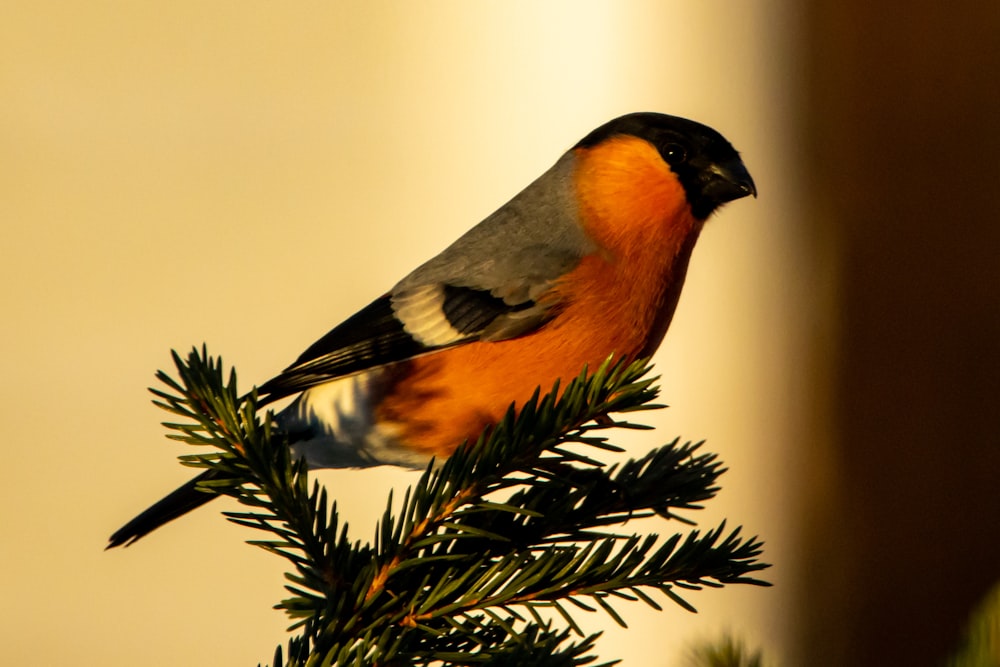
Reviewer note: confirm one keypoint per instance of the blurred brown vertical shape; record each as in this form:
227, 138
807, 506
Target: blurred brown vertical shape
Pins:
902, 121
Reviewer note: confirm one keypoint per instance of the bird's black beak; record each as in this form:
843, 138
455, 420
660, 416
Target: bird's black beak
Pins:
728, 181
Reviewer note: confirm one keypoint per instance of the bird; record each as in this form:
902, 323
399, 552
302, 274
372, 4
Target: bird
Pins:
586, 263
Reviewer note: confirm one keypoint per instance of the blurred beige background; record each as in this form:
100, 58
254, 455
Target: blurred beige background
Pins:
248, 174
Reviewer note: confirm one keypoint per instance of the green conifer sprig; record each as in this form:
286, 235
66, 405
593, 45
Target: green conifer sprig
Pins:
486, 548
980, 642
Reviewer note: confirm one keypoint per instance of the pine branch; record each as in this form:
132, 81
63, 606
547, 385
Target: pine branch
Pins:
980, 644
514, 527
725, 652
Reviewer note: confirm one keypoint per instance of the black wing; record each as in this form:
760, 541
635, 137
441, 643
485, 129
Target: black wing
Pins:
404, 325
372, 337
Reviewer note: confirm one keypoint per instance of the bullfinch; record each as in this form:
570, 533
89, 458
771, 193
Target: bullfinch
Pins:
586, 262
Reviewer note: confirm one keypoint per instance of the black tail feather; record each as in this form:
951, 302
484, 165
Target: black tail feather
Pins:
179, 502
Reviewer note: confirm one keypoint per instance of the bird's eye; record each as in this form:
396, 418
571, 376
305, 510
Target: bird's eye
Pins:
674, 154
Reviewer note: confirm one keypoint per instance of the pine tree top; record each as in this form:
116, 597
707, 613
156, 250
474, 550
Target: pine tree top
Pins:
469, 569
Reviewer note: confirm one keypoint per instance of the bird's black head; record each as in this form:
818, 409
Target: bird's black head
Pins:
707, 166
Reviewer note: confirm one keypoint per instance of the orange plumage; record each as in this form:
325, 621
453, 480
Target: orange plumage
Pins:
633, 207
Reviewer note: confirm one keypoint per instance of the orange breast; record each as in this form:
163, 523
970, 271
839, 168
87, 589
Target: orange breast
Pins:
612, 302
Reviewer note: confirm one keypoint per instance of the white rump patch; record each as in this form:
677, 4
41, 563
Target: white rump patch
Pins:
336, 427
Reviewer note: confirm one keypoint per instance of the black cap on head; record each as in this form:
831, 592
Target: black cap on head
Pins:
707, 166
